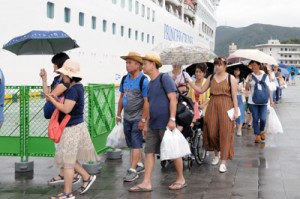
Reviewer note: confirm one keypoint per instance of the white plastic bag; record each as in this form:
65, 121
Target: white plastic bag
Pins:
173, 145
273, 123
116, 138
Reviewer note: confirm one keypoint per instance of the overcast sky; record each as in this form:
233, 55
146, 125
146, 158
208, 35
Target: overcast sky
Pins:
241, 13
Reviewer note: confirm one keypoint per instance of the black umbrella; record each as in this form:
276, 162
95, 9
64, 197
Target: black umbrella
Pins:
40, 42
192, 68
244, 70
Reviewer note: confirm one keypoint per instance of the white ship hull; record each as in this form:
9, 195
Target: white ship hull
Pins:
99, 52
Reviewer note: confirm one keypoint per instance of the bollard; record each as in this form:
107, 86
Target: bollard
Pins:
92, 168
23, 166
114, 154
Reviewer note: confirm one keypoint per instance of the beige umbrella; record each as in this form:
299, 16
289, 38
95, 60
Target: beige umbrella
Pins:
256, 55
175, 53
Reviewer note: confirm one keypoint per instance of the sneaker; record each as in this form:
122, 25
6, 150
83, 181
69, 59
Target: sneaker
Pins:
222, 168
131, 175
262, 135
216, 160
239, 133
257, 139
140, 168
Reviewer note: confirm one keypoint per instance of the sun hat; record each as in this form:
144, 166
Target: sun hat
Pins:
134, 56
70, 68
153, 57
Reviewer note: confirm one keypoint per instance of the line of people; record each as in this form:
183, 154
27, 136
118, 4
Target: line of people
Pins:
148, 107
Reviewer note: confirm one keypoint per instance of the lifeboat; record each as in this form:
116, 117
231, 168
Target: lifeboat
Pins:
174, 2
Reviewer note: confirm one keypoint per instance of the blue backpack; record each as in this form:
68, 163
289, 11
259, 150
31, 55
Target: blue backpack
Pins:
261, 91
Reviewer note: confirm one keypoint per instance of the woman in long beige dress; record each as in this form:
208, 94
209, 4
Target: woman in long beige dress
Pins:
218, 127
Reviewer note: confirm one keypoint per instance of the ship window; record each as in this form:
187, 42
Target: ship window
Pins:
148, 13
67, 15
143, 10
104, 27
50, 10
137, 4
122, 31
142, 37
130, 5
81, 18
129, 33
136, 35
148, 38
152, 39
153, 15
123, 3
94, 22
114, 1
113, 28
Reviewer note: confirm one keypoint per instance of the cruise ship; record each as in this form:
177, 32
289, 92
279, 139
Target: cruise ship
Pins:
104, 30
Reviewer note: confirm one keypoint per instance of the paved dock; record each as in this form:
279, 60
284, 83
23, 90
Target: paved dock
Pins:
270, 170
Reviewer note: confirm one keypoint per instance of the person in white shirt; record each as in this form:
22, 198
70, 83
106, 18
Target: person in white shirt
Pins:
181, 78
259, 111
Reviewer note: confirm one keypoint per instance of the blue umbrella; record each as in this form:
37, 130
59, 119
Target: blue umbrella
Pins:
284, 72
295, 69
40, 42
282, 66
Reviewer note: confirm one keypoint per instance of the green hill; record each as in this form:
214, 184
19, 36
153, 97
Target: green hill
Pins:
248, 37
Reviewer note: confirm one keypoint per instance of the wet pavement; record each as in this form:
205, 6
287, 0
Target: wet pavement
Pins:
269, 170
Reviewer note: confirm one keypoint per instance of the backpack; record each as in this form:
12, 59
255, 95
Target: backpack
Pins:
141, 81
261, 91
55, 129
185, 107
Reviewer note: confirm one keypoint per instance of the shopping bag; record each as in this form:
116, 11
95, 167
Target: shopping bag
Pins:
116, 138
173, 145
273, 123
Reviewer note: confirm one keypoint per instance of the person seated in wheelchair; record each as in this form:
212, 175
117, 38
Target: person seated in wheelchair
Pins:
200, 100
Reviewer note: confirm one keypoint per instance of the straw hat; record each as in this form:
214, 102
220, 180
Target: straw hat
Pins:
134, 56
153, 57
70, 68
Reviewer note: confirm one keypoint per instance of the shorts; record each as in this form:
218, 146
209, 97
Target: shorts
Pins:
153, 140
133, 136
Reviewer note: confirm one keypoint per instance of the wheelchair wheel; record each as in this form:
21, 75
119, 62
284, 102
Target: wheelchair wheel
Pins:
190, 162
199, 150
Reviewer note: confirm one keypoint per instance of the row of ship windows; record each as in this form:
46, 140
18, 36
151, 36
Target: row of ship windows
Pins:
67, 19
137, 8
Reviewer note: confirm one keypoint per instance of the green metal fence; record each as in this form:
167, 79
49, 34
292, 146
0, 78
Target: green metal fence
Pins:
24, 131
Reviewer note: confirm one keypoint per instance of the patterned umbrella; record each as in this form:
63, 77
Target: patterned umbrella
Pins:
183, 54
40, 43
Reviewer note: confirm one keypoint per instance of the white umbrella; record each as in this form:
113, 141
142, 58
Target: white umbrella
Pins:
174, 53
256, 55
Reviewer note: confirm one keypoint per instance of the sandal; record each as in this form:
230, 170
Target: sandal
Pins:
56, 181
89, 181
64, 196
61, 179
76, 178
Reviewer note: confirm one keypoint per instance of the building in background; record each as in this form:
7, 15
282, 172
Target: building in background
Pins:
232, 48
288, 54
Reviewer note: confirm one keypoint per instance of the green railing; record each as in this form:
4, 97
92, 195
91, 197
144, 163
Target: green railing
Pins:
24, 131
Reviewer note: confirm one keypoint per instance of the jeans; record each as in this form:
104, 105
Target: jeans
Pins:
276, 94
133, 136
241, 105
259, 113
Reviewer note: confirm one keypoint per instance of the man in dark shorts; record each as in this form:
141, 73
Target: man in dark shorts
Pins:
133, 99
162, 111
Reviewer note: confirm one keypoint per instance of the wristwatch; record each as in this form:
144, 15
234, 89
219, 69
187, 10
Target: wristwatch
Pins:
173, 119
143, 120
